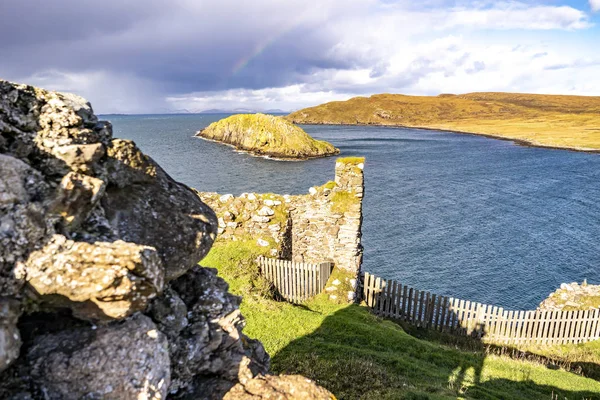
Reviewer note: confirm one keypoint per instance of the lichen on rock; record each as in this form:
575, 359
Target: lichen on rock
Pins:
101, 295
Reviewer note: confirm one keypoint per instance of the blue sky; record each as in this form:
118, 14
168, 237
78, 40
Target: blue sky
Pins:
156, 55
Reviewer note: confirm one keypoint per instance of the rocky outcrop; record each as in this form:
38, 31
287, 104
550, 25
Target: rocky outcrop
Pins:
572, 297
267, 135
100, 292
119, 361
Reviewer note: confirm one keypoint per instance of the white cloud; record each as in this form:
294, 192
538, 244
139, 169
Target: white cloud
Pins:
286, 98
595, 5
191, 55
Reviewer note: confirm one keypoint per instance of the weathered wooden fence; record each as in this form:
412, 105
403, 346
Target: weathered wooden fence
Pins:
389, 298
295, 281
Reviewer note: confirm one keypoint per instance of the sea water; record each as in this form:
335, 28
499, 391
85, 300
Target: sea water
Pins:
460, 215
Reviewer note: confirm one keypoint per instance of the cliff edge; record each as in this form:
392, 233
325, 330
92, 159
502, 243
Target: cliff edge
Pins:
267, 135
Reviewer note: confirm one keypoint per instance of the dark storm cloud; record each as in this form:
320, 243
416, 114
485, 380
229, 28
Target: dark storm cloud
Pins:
146, 55
180, 46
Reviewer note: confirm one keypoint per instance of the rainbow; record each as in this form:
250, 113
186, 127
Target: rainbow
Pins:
264, 44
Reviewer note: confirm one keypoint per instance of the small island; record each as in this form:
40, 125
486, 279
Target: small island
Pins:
267, 135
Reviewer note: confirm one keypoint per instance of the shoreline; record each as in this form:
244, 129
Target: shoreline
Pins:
262, 155
519, 142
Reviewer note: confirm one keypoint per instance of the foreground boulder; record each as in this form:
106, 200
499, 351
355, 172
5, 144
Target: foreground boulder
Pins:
267, 135
100, 292
127, 360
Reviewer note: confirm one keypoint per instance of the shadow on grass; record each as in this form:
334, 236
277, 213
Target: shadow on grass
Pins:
358, 356
586, 369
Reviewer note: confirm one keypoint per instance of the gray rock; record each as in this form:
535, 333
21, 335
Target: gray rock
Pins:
10, 338
211, 343
128, 360
144, 212
260, 219
22, 220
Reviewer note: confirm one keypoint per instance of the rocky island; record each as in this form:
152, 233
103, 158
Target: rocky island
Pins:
555, 121
267, 135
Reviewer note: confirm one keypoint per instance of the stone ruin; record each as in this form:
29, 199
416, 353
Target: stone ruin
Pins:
101, 294
323, 225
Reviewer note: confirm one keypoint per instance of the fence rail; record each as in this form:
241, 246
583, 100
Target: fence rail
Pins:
389, 298
296, 282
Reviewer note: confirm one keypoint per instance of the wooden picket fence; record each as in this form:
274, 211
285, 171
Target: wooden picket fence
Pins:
389, 298
296, 282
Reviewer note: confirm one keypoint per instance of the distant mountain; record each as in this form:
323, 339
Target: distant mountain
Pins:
275, 111
239, 111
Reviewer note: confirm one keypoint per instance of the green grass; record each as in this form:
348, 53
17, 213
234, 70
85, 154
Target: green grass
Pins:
351, 160
267, 135
359, 356
342, 201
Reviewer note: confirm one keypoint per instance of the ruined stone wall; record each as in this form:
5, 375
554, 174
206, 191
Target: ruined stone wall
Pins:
324, 225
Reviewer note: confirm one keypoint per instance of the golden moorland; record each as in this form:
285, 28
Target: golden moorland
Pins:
559, 121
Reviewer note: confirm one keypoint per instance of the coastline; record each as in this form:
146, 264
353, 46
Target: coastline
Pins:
519, 142
266, 156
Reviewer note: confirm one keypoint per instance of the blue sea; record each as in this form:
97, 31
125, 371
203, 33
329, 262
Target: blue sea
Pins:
460, 215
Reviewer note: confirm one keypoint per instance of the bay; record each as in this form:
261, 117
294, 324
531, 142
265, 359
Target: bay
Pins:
460, 215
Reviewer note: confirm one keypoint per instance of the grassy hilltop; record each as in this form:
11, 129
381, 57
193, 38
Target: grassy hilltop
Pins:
357, 355
571, 122
267, 135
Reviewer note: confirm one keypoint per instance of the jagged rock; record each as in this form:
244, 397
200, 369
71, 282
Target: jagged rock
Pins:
82, 157
10, 338
133, 211
22, 224
126, 164
92, 229
283, 387
128, 360
76, 198
119, 278
204, 325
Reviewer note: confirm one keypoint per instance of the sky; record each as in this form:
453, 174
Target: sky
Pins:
154, 56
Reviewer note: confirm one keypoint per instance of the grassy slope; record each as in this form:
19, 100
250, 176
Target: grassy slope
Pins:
267, 135
542, 120
357, 355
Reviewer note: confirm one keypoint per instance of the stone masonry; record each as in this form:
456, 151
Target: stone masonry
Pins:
324, 225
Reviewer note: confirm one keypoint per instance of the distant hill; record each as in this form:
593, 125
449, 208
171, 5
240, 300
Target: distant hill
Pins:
240, 111
267, 135
559, 121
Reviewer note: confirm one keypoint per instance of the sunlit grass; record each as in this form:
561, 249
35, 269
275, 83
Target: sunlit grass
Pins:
359, 356
544, 120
